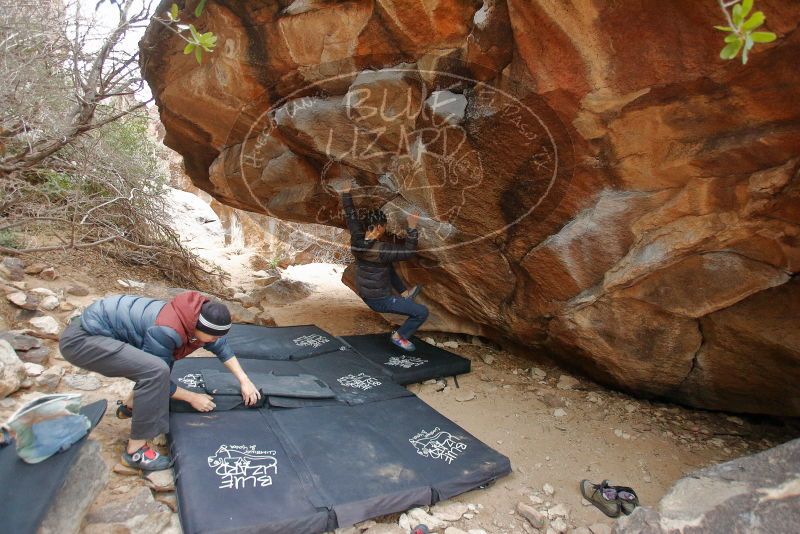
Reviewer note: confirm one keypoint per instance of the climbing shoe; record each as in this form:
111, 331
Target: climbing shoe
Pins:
123, 410
411, 293
602, 496
627, 498
402, 342
147, 459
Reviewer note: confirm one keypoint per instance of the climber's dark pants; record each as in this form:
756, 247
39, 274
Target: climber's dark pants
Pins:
417, 313
111, 357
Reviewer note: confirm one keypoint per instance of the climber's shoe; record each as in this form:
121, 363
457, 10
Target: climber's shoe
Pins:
602, 496
146, 459
402, 342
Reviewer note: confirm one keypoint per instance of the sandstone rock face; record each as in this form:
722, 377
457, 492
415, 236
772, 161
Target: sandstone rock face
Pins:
593, 179
752, 494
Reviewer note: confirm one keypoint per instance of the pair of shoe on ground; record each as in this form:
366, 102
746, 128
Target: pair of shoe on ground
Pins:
611, 500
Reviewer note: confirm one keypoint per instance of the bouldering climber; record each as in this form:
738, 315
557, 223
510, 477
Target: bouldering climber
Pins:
377, 282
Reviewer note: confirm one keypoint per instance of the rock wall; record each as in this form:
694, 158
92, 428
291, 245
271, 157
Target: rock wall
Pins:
757, 493
594, 181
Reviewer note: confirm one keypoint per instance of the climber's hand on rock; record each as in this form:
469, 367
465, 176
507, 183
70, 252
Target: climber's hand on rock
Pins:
342, 186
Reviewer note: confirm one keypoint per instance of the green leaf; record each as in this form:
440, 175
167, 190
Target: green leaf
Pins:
208, 40
724, 28
763, 37
199, 9
737, 15
755, 21
747, 5
188, 48
731, 50
195, 34
173, 11
732, 38
198, 54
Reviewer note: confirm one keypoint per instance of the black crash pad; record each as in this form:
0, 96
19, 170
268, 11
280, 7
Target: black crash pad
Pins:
426, 362
315, 469
280, 343
233, 475
27, 490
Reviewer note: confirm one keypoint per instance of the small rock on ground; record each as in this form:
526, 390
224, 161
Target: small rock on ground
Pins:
534, 517
567, 382
39, 355
161, 481
418, 515
78, 291
465, 396
83, 382
46, 325
449, 511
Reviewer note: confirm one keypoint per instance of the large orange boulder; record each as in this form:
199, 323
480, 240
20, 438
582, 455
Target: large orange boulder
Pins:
595, 183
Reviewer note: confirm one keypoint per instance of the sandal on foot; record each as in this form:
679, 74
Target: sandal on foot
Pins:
123, 410
147, 459
602, 496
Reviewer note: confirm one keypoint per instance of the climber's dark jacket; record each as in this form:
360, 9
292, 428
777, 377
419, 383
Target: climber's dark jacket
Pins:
374, 258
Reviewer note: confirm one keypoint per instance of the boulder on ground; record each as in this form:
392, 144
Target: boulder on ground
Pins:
758, 493
87, 477
12, 370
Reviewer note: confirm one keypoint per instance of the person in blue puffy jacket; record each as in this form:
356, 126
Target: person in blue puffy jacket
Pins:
140, 338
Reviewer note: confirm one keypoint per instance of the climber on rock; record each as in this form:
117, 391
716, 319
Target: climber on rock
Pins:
140, 338
375, 273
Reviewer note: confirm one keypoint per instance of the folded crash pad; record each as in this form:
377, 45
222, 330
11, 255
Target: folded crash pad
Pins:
28, 490
314, 469
350, 377
294, 385
280, 343
426, 362
188, 374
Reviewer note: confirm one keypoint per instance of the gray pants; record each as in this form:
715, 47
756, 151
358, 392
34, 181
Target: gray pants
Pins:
111, 357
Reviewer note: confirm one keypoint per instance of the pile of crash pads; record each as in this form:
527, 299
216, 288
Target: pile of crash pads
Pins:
336, 440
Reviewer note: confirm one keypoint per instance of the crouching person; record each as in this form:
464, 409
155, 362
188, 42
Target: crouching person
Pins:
140, 338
